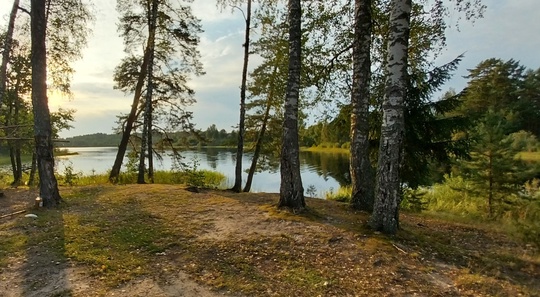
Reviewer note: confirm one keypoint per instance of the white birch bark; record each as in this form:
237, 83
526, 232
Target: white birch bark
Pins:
388, 191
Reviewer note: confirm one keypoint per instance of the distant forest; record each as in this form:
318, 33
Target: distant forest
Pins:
210, 137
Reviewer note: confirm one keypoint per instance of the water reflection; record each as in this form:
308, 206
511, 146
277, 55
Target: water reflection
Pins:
334, 165
324, 171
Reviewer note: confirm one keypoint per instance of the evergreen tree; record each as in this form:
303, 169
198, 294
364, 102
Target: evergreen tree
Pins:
493, 165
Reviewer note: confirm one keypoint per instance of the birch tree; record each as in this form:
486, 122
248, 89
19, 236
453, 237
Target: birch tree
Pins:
291, 189
388, 188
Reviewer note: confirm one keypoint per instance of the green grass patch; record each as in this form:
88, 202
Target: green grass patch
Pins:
343, 194
115, 236
325, 149
11, 245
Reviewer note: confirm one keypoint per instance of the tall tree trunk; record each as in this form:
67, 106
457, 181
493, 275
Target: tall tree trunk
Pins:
241, 126
7, 51
385, 215
363, 182
48, 186
122, 147
490, 184
291, 192
146, 137
15, 149
8, 123
150, 147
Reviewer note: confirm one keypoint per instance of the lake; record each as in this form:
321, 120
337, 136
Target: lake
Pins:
324, 171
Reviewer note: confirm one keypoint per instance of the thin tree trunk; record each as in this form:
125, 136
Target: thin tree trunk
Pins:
48, 186
17, 173
150, 147
122, 147
262, 132
291, 192
490, 192
147, 126
363, 182
18, 163
385, 215
241, 126
8, 122
258, 144
33, 169
7, 51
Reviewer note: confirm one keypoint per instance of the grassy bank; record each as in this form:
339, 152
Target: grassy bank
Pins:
318, 149
454, 200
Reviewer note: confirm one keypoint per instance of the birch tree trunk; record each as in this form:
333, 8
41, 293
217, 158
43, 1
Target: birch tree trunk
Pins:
385, 215
291, 190
48, 186
241, 125
7, 51
360, 165
146, 137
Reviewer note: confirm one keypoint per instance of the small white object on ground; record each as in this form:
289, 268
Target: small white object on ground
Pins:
30, 215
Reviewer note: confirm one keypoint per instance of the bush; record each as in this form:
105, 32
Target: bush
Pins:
414, 200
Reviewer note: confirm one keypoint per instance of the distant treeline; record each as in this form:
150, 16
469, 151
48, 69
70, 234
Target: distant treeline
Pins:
209, 137
96, 139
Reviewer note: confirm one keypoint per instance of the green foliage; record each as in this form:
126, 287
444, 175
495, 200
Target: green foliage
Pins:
69, 176
133, 162
459, 199
504, 85
413, 200
493, 166
191, 175
456, 196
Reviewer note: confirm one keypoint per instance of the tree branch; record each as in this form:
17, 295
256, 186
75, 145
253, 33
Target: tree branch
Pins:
24, 10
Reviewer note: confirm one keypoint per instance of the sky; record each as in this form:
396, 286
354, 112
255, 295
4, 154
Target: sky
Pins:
509, 30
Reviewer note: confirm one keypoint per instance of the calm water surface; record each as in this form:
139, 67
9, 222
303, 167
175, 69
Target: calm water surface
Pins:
324, 171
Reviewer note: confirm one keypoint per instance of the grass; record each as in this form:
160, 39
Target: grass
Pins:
343, 194
325, 149
199, 178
